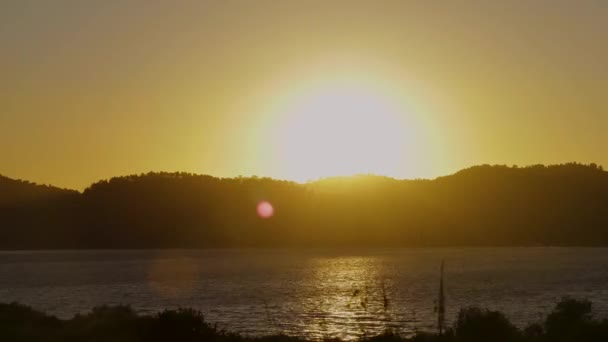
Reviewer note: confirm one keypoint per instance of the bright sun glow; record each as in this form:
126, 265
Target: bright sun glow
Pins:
341, 130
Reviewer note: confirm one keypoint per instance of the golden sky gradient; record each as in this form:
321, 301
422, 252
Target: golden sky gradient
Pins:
298, 89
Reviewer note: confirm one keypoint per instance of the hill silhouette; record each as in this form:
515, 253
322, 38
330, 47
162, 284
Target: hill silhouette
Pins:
482, 205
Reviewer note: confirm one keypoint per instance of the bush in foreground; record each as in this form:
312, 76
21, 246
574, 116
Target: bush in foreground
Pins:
570, 321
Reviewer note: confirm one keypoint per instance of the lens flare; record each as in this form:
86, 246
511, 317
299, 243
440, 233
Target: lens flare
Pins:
265, 209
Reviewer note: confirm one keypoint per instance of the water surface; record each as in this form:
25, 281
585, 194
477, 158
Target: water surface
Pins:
313, 293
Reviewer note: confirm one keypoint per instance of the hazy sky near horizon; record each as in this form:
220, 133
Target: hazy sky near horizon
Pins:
298, 89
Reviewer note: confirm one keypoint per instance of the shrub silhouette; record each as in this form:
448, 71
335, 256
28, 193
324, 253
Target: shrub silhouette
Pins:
105, 323
477, 325
185, 325
534, 332
20, 323
568, 314
570, 321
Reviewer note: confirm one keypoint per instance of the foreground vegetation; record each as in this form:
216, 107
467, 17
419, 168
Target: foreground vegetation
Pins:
570, 320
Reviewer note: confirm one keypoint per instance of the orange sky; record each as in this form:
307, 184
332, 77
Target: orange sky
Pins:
98, 89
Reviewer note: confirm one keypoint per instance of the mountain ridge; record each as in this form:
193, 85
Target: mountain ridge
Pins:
482, 205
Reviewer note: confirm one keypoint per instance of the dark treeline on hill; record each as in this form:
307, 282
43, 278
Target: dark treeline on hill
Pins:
483, 205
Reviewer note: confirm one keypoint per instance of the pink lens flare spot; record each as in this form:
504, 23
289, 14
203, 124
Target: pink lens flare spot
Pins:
265, 209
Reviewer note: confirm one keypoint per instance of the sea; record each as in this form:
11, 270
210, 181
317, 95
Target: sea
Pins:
312, 293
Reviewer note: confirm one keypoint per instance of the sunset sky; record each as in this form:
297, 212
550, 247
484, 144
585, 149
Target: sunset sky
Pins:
298, 89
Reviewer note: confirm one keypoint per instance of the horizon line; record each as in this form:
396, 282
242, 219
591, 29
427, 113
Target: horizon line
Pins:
310, 181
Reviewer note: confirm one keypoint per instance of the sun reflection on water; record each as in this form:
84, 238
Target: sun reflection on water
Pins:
353, 300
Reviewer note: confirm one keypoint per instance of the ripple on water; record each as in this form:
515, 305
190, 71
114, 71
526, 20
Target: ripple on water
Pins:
311, 293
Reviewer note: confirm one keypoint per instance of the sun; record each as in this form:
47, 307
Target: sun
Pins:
341, 129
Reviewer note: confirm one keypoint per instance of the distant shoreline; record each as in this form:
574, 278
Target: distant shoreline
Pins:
300, 248
483, 206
